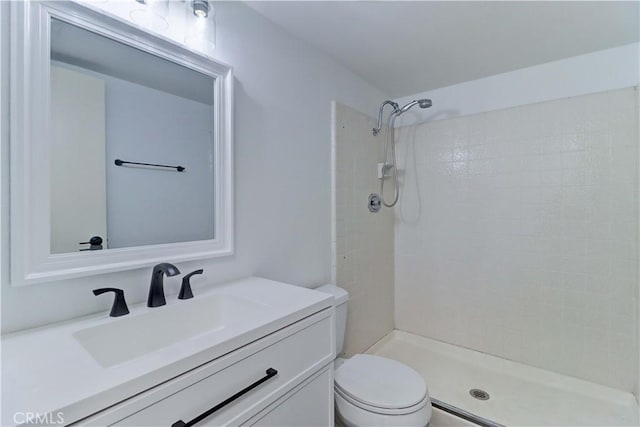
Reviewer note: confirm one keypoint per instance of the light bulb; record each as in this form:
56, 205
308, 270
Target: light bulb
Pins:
200, 8
200, 30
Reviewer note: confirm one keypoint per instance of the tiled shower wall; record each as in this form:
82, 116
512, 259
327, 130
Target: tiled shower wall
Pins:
517, 234
363, 243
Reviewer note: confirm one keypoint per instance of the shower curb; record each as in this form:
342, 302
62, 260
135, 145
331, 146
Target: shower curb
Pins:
461, 413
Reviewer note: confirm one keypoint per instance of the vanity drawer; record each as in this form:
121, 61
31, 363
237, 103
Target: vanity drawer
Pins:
294, 357
309, 404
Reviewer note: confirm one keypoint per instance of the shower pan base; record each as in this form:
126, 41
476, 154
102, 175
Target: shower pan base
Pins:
519, 394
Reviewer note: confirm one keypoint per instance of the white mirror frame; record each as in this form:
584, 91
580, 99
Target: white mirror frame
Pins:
31, 260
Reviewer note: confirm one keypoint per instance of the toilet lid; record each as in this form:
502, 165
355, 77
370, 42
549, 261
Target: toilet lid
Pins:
380, 382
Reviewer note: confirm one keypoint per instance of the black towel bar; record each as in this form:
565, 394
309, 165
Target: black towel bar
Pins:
119, 162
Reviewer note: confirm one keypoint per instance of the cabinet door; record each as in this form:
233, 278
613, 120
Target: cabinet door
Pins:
309, 405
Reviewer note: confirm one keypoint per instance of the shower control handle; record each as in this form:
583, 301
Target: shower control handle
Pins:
375, 203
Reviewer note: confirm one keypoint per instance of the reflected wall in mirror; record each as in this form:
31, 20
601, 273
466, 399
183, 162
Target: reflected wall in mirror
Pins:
110, 101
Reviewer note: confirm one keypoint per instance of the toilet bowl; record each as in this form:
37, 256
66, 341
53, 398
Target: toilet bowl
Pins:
373, 390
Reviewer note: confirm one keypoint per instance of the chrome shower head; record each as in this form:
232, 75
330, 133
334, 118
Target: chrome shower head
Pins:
424, 103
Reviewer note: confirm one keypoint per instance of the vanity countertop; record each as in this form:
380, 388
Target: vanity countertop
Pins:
48, 370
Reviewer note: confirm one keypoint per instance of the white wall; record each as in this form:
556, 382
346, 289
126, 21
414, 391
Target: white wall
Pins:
283, 94
364, 240
151, 206
579, 75
516, 234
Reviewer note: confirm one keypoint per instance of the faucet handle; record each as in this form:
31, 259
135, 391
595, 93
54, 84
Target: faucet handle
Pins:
185, 289
119, 307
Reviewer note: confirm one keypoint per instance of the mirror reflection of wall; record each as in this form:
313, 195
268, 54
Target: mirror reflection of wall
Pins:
111, 101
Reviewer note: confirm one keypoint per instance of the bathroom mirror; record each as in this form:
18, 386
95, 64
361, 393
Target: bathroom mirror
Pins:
121, 147
115, 111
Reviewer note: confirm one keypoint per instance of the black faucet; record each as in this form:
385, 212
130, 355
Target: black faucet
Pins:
185, 289
119, 307
156, 289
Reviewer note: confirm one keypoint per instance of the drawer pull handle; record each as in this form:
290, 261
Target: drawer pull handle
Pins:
269, 374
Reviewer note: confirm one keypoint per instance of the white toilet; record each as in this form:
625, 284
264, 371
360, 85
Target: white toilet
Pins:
372, 390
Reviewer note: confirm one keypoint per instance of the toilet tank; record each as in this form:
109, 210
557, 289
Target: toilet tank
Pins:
340, 299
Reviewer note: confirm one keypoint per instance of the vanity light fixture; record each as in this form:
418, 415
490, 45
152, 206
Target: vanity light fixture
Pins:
200, 8
151, 14
200, 26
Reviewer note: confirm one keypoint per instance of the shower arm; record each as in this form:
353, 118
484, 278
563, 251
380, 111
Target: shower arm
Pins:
376, 130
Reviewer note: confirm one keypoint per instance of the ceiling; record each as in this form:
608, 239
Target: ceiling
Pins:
85, 49
406, 47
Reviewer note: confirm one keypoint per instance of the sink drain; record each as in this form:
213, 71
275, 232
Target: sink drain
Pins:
476, 393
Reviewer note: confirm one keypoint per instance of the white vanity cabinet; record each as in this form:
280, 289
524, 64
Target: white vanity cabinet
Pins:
251, 349
300, 393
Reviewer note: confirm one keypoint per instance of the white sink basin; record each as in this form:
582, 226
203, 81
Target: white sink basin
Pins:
103, 360
132, 336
